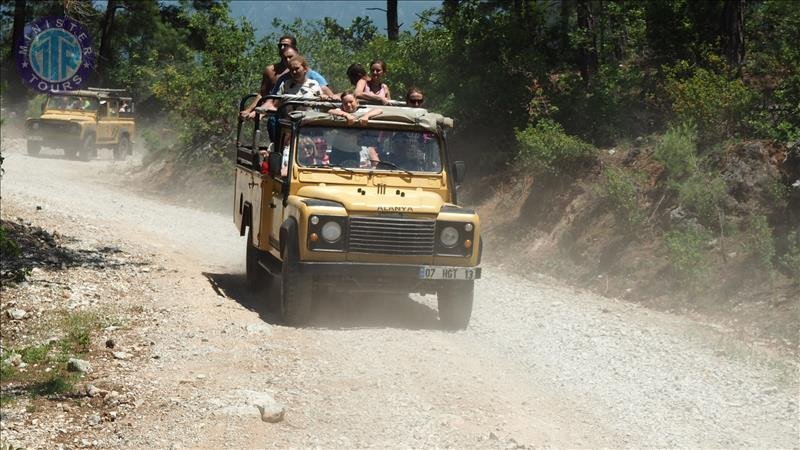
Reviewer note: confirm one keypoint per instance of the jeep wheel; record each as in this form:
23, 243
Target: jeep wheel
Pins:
295, 289
122, 149
34, 148
257, 278
455, 304
87, 149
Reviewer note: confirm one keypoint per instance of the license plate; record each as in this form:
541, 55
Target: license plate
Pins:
446, 273
35, 138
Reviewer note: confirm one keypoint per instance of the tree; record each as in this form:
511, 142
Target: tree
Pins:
733, 32
105, 39
587, 48
393, 28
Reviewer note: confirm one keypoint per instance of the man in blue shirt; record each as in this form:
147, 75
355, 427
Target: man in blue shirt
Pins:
327, 93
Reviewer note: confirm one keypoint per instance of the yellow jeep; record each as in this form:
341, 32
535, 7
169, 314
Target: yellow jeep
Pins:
356, 208
81, 121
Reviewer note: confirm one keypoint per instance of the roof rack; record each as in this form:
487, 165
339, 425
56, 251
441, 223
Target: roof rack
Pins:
106, 89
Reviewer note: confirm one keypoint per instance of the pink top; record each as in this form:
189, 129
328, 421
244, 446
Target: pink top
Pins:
380, 92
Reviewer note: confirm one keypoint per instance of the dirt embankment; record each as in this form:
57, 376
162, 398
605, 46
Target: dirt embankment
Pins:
573, 230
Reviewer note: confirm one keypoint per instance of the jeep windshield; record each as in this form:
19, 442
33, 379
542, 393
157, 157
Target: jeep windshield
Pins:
71, 103
369, 149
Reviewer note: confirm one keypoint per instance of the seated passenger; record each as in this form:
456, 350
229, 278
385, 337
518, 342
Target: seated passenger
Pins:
414, 97
373, 89
264, 157
406, 153
309, 153
351, 112
355, 73
290, 54
299, 84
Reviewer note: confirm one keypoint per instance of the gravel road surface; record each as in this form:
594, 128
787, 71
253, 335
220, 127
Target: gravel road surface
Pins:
542, 364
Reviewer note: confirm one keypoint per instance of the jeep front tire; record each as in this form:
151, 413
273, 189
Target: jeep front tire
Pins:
122, 149
296, 289
455, 303
87, 148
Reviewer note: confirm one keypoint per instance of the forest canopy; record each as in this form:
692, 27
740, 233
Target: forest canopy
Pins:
586, 72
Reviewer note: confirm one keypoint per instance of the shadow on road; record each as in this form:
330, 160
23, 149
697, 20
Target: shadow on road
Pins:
331, 310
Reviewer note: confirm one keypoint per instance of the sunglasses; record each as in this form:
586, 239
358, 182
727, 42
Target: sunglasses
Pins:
414, 102
284, 45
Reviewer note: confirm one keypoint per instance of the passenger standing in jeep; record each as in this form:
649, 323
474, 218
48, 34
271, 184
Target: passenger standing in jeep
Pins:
299, 84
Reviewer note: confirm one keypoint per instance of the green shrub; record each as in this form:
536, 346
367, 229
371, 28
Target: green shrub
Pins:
790, 261
717, 105
685, 247
778, 115
677, 151
546, 147
35, 354
703, 195
621, 192
79, 327
760, 243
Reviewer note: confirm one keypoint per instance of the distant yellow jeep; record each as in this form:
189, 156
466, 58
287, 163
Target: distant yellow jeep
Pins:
81, 121
355, 208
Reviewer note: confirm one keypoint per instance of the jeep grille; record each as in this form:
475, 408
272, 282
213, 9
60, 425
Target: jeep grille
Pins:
394, 236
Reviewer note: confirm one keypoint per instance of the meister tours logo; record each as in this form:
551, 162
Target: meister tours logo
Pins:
55, 54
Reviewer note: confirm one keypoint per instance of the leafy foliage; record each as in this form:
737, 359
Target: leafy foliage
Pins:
715, 103
685, 248
546, 147
621, 192
677, 151
760, 242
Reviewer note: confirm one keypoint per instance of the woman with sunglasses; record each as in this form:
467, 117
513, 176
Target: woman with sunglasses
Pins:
414, 97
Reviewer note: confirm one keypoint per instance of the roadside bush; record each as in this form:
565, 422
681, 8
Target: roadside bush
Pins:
620, 190
685, 247
777, 116
760, 243
716, 104
790, 261
677, 151
703, 195
545, 147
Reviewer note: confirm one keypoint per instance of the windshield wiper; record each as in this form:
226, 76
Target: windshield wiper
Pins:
393, 166
328, 166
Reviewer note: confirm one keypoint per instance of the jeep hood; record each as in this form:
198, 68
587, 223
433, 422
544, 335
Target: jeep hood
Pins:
377, 198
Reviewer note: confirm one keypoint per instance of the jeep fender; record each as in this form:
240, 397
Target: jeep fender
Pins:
246, 210
288, 234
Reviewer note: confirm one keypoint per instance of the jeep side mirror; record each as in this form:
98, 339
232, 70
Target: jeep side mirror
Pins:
459, 169
275, 162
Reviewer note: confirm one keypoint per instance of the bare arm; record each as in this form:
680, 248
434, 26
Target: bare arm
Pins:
351, 119
371, 113
359, 92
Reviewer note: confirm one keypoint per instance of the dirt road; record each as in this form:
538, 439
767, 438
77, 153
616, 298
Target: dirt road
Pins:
540, 365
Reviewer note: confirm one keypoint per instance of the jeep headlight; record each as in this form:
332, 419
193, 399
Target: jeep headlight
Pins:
448, 236
331, 231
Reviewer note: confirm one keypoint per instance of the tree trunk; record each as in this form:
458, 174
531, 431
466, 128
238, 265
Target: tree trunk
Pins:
566, 12
105, 41
15, 94
393, 29
587, 50
733, 32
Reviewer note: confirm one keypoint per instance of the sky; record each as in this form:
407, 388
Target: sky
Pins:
261, 12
